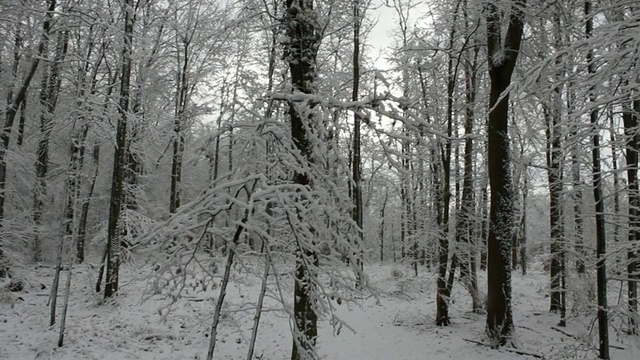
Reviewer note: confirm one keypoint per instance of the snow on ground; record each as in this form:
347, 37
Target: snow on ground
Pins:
395, 324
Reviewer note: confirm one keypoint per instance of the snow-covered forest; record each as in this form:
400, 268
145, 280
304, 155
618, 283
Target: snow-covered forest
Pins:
319, 179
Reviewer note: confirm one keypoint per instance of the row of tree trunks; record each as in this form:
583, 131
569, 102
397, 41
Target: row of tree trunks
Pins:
49, 91
10, 114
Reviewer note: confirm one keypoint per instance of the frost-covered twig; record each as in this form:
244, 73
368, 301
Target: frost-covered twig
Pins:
256, 319
223, 286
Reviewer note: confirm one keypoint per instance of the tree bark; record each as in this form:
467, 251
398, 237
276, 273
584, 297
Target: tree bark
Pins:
117, 180
301, 49
601, 242
182, 96
502, 61
630, 120
357, 212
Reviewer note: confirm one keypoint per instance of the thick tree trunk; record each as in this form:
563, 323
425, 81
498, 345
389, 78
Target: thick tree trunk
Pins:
117, 180
300, 51
502, 61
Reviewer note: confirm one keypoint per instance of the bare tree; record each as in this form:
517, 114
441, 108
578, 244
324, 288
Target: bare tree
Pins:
114, 233
10, 115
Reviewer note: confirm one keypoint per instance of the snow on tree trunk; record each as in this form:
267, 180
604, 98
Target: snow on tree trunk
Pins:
117, 193
503, 53
301, 49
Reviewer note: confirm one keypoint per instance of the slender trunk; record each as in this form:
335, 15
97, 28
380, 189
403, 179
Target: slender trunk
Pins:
86, 202
630, 120
464, 226
357, 161
117, 191
263, 289
67, 295
382, 219
22, 121
523, 225
182, 90
223, 286
616, 176
53, 297
555, 207
442, 298
601, 243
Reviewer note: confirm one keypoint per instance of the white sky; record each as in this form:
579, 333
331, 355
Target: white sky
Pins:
386, 23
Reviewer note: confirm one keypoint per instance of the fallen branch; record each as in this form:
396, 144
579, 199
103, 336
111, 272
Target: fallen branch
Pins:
575, 337
508, 349
565, 333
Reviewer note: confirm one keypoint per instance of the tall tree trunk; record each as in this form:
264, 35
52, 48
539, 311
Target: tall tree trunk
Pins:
553, 133
442, 297
554, 170
464, 227
601, 242
630, 119
616, 183
86, 202
382, 220
523, 225
301, 50
502, 61
48, 100
117, 180
357, 212
10, 115
182, 95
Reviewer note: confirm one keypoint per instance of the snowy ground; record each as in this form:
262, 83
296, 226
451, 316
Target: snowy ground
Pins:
397, 324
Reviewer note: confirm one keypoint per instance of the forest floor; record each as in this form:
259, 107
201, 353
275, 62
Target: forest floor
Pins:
396, 323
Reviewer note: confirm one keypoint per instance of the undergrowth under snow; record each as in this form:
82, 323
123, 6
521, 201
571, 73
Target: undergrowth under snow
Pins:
394, 323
